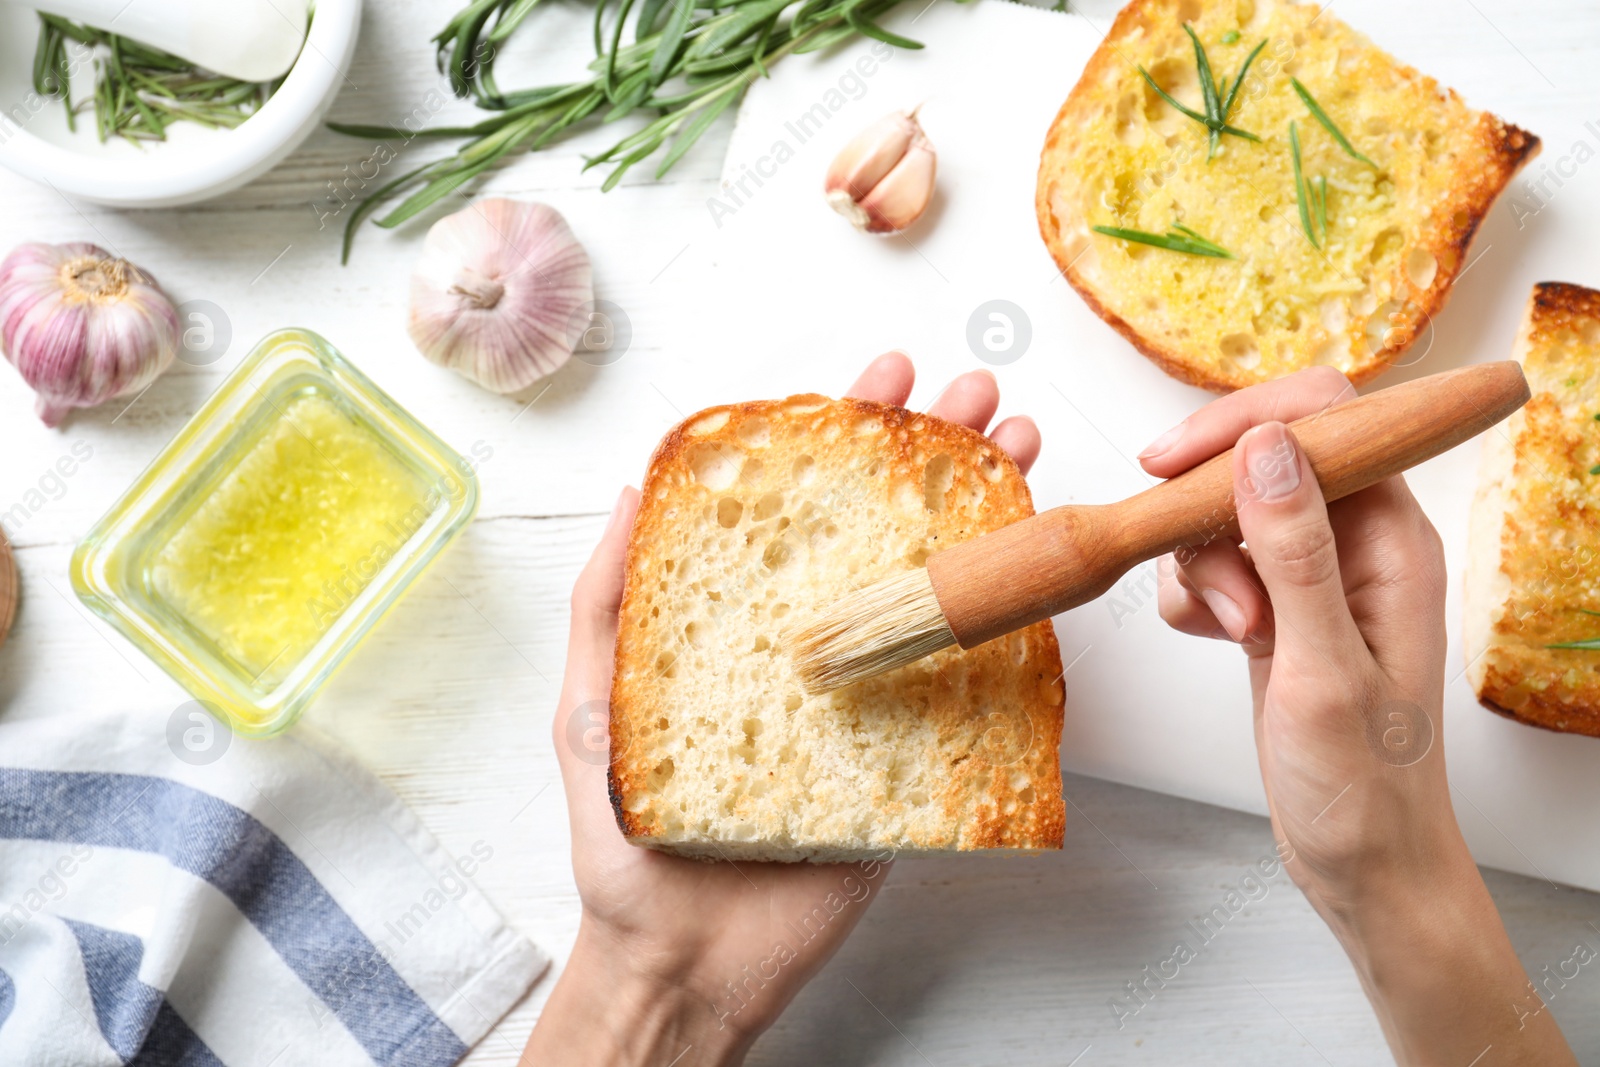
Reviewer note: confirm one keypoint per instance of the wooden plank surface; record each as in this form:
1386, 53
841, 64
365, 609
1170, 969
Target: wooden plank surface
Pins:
969, 961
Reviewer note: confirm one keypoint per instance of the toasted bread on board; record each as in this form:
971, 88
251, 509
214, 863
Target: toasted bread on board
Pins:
1120, 156
1533, 562
752, 517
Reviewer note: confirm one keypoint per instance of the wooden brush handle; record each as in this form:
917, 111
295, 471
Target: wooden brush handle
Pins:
1064, 557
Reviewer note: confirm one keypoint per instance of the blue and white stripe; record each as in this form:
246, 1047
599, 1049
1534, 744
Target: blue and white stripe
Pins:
150, 920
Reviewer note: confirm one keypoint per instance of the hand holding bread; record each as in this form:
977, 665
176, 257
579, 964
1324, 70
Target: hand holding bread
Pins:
673, 951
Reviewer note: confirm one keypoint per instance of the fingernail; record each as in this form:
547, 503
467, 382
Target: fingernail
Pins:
1272, 467
616, 512
1165, 442
1227, 612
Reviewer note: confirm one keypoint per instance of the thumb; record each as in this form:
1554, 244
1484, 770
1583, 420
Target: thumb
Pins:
583, 713
1284, 520
596, 598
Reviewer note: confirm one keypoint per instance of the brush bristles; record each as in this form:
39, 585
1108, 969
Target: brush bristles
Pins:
873, 630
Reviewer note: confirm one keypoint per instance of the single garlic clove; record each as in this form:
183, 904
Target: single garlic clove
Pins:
82, 326
882, 181
871, 155
497, 293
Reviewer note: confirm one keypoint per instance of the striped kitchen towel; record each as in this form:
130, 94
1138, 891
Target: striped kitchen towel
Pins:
173, 895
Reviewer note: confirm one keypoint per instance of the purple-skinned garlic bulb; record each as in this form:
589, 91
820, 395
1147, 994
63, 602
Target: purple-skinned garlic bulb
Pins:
499, 293
82, 326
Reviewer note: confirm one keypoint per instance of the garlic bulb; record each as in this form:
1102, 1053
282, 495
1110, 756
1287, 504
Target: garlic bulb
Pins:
82, 326
498, 292
883, 180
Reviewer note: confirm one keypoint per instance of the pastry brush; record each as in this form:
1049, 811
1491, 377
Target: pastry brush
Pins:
1028, 571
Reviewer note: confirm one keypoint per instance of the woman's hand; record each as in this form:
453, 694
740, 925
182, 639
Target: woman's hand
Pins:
1340, 610
678, 961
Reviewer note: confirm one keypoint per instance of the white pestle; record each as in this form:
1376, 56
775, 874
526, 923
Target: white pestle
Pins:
252, 40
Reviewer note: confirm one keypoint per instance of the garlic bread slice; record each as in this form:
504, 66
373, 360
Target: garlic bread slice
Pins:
1533, 560
1337, 257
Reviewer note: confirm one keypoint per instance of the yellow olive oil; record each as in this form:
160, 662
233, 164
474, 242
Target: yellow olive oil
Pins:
290, 537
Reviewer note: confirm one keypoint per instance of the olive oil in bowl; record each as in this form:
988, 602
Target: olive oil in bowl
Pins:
274, 532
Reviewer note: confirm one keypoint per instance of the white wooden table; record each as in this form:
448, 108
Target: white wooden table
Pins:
963, 961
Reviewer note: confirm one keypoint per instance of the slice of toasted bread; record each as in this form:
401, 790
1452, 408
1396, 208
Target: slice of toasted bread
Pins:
1120, 156
752, 517
1533, 561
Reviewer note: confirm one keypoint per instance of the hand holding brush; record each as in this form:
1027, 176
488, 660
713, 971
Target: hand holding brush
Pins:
1003, 581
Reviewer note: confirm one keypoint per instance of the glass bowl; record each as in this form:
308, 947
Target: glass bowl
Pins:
274, 531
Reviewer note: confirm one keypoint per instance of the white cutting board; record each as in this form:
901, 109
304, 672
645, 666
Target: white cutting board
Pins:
786, 296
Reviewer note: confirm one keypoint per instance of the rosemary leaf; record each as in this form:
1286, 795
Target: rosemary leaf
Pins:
761, 46
447, 182
1179, 239
649, 15
632, 92
509, 19
1185, 230
691, 133
736, 26
867, 28
816, 40
1591, 644
616, 46
1169, 99
1208, 92
666, 49
626, 162
1300, 187
44, 61
1233, 93
1327, 123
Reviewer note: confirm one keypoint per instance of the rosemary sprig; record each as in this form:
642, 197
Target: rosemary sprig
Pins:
689, 61
1327, 123
138, 91
1311, 196
1218, 107
1178, 238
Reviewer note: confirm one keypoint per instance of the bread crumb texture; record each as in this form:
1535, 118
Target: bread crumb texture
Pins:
1397, 232
1534, 576
752, 517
